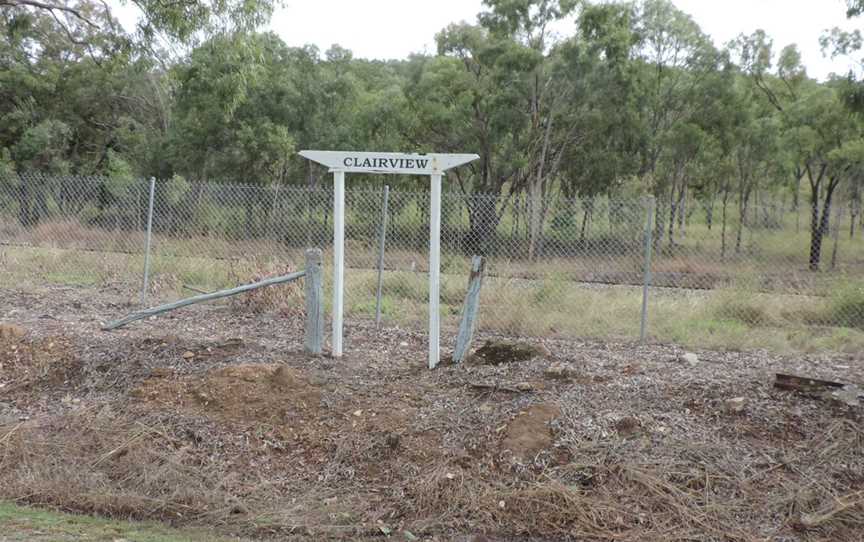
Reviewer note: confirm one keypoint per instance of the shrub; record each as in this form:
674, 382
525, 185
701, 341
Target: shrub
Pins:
846, 305
743, 307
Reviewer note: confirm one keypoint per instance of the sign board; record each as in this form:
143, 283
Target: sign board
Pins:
388, 162
433, 165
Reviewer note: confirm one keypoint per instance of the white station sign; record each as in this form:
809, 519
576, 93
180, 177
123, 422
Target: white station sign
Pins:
388, 162
433, 165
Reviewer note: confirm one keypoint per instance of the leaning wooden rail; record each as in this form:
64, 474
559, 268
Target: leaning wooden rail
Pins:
314, 301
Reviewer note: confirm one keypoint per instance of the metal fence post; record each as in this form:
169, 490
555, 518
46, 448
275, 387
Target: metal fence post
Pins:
382, 240
650, 204
147, 243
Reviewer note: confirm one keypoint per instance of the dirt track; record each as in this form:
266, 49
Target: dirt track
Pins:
213, 415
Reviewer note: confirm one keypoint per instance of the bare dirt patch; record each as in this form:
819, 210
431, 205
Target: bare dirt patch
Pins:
33, 361
529, 432
250, 392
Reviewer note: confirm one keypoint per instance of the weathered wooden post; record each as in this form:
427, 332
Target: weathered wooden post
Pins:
314, 302
470, 309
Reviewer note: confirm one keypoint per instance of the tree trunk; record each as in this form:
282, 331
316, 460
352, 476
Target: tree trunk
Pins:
673, 207
483, 221
249, 204
723, 225
742, 214
819, 224
535, 204
24, 216
709, 213
588, 207
659, 223
836, 236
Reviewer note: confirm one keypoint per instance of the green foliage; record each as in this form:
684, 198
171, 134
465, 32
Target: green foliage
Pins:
43, 147
7, 166
633, 99
120, 175
175, 189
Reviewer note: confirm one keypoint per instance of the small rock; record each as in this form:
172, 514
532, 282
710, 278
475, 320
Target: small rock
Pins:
358, 413
559, 371
850, 395
188, 354
735, 405
690, 358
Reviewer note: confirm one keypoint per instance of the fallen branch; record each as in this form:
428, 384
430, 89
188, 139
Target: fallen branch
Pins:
804, 384
521, 387
849, 394
146, 313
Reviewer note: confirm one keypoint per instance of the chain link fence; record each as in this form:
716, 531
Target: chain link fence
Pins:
704, 273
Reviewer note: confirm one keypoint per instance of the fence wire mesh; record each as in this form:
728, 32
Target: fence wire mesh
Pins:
720, 275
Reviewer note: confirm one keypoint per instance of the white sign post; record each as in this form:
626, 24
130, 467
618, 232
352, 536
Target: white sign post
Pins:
434, 165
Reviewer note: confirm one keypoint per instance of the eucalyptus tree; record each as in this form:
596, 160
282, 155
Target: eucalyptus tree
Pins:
69, 97
818, 127
600, 61
233, 109
828, 144
519, 97
183, 21
676, 64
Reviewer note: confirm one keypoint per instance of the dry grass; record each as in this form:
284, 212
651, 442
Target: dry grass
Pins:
284, 298
123, 465
750, 313
110, 463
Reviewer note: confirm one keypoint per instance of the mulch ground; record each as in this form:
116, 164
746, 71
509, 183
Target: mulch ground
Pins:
213, 415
